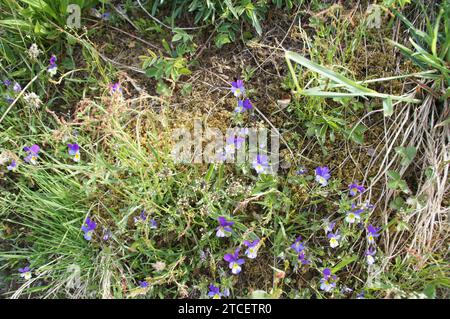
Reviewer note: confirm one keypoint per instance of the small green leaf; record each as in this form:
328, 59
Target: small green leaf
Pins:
387, 107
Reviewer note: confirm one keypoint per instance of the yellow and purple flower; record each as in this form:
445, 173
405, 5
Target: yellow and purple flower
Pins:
234, 261
328, 282
25, 272
214, 292
243, 105
224, 229
372, 233
322, 175
143, 284
353, 216
261, 164
88, 228
238, 88
334, 239
370, 253
354, 189
74, 150
32, 154
252, 248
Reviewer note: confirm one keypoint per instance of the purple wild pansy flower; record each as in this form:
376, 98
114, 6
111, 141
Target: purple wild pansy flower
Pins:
329, 226
12, 166
302, 258
322, 175
141, 218
354, 189
25, 272
88, 228
52, 60
7, 82
233, 143
115, 88
153, 224
370, 253
214, 292
327, 283
143, 284
360, 295
353, 216
261, 164
17, 88
32, 154
334, 239
74, 150
252, 248
224, 228
372, 233
52, 67
240, 107
298, 246
238, 88
234, 261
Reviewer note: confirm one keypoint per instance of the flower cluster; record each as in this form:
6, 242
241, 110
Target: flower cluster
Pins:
299, 248
328, 281
142, 219
12, 89
224, 230
238, 90
88, 228
372, 233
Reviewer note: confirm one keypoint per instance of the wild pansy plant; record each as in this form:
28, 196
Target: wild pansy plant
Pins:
354, 189
143, 284
224, 228
370, 253
52, 68
88, 228
252, 248
372, 233
261, 164
234, 261
32, 154
322, 175
74, 150
334, 238
25, 272
237, 88
115, 88
214, 292
353, 216
243, 103
298, 246
12, 166
328, 282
